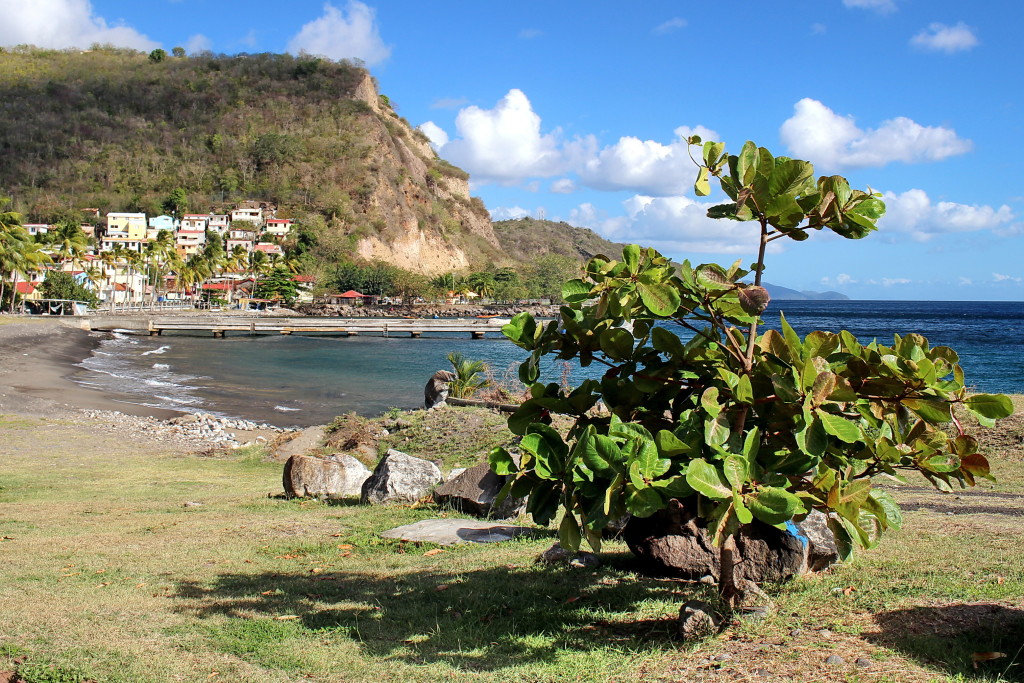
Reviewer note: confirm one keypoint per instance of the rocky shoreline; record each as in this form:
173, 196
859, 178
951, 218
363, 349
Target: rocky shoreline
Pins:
192, 431
423, 311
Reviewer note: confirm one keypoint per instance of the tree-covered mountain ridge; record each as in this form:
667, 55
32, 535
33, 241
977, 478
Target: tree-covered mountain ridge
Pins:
118, 130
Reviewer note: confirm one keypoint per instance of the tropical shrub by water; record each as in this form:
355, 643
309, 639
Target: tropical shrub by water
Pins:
470, 375
698, 405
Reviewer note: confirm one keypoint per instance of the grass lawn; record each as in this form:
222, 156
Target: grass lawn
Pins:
125, 561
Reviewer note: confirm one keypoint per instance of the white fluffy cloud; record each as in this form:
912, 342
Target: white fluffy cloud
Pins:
563, 186
504, 144
883, 6
941, 38
645, 166
438, 138
351, 34
197, 43
999, 277
913, 213
504, 213
818, 134
63, 23
675, 225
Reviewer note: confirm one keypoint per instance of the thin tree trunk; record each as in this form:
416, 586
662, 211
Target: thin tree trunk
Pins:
729, 557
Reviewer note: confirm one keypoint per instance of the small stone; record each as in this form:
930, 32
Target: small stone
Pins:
555, 554
708, 580
824, 633
585, 560
835, 660
797, 632
862, 662
697, 620
724, 657
192, 504
761, 672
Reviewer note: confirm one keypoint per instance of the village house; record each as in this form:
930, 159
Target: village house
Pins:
248, 215
192, 222
189, 241
109, 242
36, 228
158, 223
130, 225
278, 227
269, 248
219, 223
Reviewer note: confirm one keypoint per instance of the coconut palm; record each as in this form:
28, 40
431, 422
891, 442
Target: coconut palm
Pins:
469, 375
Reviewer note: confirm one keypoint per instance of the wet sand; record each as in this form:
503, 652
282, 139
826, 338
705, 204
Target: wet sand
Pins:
37, 360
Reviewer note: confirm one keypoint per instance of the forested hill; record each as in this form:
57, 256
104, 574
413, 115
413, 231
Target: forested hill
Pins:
526, 238
120, 130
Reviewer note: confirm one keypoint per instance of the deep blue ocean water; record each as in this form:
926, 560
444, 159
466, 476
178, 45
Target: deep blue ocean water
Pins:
305, 380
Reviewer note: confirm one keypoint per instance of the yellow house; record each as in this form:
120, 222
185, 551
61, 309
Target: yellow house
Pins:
130, 225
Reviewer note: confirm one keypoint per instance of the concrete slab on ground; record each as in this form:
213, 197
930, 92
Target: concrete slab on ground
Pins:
452, 531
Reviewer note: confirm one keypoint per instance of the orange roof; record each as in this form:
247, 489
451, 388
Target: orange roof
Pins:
27, 287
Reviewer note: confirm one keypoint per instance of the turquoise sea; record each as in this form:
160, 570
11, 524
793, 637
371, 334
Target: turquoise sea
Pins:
305, 380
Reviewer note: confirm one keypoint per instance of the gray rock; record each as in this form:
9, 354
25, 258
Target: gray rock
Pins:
585, 560
822, 552
400, 478
452, 531
435, 393
556, 554
835, 660
335, 476
698, 620
862, 662
303, 442
475, 490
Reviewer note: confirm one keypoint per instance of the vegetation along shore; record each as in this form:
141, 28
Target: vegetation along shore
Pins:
140, 547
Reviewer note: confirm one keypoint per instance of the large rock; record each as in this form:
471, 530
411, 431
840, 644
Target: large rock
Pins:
334, 476
400, 478
436, 392
474, 491
822, 551
676, 542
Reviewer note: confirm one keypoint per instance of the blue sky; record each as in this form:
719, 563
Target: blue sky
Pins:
574, 111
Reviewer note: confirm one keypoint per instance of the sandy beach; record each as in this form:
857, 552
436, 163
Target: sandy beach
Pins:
37, 360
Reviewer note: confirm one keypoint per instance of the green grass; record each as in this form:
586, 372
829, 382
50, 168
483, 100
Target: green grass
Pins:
108, 577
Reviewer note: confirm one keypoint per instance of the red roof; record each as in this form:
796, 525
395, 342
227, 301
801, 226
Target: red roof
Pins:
351, 294
27, 287
304, 278
219, 286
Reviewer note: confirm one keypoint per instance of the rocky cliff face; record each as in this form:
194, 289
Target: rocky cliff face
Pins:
424, 216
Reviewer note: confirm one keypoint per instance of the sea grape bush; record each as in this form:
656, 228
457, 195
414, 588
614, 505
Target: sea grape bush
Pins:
697, 402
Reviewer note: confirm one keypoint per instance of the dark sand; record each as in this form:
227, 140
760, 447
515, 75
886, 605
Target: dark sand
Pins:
37, 359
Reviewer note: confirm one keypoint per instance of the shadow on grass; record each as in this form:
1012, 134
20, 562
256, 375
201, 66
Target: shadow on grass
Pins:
485, 619
949, 636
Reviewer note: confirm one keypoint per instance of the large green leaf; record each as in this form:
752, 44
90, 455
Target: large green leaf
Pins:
569, 533
736, 471
643, 502
705, 479
631, 257
791, 177
840, 427
501, 462
669, 444
774, 505
575, 290
992, 406
661, 299
599, 452
701, 187
931, 410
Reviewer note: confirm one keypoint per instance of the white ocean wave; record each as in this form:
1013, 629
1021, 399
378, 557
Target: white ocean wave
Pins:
160, 366
286, 409
162, 349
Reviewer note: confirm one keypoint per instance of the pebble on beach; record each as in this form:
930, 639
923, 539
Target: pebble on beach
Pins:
196, 430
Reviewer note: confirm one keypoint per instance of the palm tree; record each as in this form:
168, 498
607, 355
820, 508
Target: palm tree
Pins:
467, 376
70, 243
18, 251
